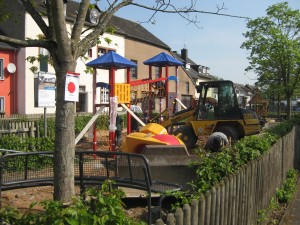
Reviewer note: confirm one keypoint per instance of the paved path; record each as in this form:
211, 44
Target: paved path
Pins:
292, 214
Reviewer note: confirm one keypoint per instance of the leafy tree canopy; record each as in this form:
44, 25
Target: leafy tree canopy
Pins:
273, 42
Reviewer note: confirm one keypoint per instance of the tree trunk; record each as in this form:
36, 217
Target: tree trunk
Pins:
288, 110
64, 143
278, 108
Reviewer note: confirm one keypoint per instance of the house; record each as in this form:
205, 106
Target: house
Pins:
244, 94
8, 78
194, 71
130, 40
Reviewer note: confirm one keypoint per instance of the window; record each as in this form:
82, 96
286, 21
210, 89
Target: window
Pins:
133, 71
1, 70
44, 58
157, 72
1, 104
186, 100
187, 87
90, 53
81, 88
101, 51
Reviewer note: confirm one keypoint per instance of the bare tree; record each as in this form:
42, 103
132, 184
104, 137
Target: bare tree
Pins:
65, 48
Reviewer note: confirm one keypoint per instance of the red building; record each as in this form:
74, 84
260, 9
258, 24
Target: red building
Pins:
8, 79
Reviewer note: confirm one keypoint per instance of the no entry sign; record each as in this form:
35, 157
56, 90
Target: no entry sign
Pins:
72, 87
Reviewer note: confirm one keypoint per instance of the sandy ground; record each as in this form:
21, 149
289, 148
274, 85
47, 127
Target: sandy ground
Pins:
23, 198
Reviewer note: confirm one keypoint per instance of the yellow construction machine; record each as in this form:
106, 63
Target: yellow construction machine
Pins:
217, 110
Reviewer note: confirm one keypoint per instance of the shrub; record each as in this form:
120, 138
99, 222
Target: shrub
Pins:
16, 143
285, 194
104, 207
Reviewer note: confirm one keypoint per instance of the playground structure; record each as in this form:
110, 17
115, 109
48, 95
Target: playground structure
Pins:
259, 105
129, 93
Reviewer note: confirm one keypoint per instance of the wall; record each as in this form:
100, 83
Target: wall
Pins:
26, 84
141, 51
8, 88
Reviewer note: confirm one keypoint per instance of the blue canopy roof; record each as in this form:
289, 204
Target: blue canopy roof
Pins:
111, 59
163, 59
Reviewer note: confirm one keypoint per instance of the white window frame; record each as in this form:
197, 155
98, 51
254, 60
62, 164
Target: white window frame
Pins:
187, 87
1, 69
2, 104
134, 70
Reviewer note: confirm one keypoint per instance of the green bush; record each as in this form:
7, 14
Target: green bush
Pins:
28, 144
104, 207
214, 167
285, 194
50, 127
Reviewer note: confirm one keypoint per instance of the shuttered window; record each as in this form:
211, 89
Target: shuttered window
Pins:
1, 104
1, 70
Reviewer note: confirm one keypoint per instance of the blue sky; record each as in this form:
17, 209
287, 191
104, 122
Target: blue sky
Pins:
217, 43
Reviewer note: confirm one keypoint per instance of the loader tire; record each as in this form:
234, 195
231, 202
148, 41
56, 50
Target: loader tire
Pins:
230, 132
187, 135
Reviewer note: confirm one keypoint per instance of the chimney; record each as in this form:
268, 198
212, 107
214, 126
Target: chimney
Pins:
65, 7
184, 54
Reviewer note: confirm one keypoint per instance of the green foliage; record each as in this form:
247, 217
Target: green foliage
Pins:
26, 144
273, 42
50, 127
271, 214
80, 122
264, 215
29, 144
214, 167
4, 13
281, 129
285, 194
104, 207
251, 147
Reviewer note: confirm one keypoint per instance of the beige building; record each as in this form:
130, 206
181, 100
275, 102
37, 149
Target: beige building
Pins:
141, 45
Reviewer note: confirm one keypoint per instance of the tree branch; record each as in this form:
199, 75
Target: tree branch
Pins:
79, 24
90, 41
59, 21
30, 8
185, 10
27, 43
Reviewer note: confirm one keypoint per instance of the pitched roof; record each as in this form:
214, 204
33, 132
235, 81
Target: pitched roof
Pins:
134, 30
124, 27
111, 59
4, 45
192, 72
258, 99
163, 59
244, 89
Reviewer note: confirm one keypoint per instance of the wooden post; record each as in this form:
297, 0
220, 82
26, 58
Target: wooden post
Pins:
179, 216
171, 219
194, 212
201, 213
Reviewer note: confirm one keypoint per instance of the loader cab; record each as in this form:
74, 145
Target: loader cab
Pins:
217, 101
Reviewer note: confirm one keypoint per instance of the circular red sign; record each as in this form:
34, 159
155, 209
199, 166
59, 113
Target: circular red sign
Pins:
71, 87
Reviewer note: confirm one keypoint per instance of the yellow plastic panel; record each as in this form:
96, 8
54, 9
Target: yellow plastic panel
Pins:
123, 93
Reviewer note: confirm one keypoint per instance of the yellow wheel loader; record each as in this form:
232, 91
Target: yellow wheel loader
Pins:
217, 110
